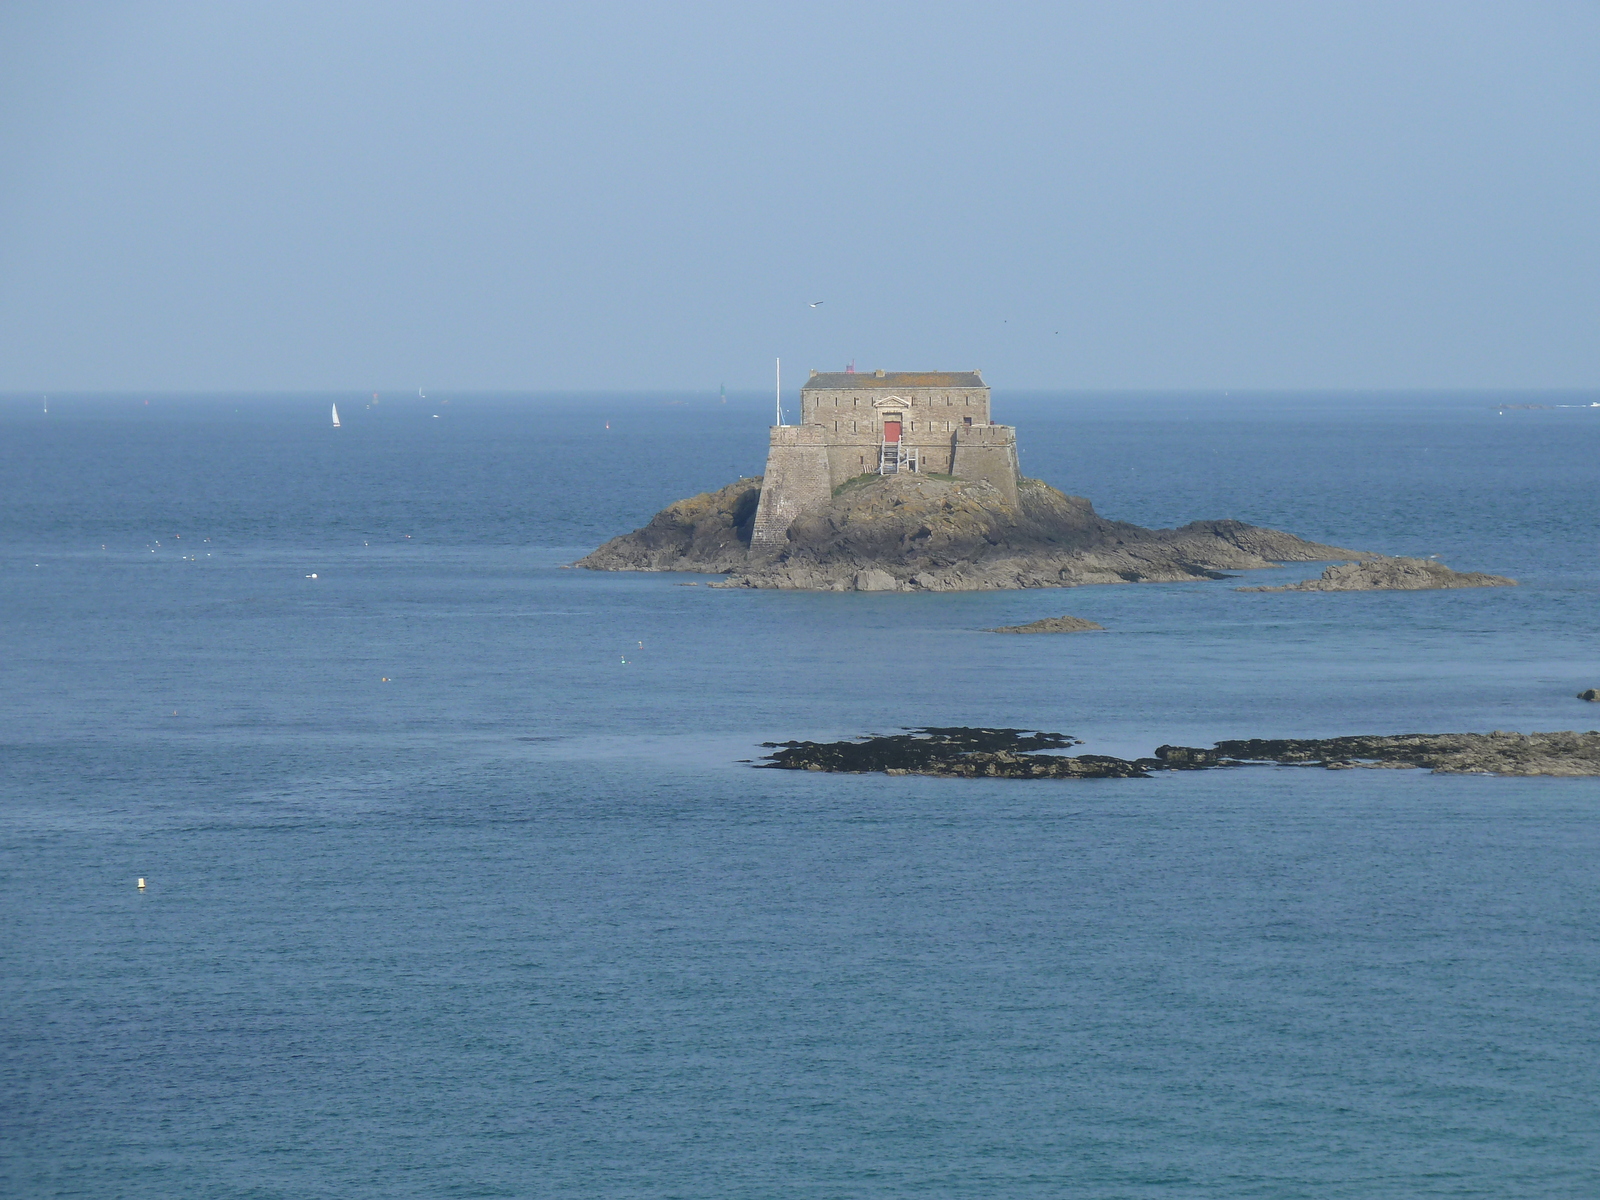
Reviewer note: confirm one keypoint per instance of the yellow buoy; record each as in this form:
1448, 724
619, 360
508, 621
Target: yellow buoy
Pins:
141, 883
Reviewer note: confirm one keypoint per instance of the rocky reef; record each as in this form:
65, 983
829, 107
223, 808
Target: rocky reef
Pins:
960, 752
1052, 625
1382, 574
1012, 754
1497, 753
918, 532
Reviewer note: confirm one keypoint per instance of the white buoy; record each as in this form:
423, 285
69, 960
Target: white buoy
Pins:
141, 883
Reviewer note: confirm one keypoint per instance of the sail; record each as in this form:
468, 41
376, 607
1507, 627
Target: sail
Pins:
336, 416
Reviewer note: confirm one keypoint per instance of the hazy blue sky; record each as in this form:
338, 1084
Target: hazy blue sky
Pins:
339, 195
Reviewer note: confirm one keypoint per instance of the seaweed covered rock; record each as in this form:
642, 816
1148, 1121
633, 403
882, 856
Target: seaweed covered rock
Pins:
1498, 753
958, 751
1014, 754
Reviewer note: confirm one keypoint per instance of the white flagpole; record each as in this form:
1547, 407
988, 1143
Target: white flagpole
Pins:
779, 394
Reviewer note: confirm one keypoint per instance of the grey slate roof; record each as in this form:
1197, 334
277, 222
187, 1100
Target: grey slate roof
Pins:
863, 380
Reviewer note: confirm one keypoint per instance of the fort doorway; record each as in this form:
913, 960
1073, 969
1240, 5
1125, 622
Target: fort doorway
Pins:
891, 430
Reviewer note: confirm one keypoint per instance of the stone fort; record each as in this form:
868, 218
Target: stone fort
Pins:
881, 423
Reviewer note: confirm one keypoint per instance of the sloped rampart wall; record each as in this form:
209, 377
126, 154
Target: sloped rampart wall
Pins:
797, 477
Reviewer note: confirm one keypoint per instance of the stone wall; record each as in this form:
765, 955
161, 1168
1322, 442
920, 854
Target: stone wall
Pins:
828, 406
852, 454
945, 430
797, 477
988, 452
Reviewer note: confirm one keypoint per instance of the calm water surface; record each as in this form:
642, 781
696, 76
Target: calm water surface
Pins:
458, 885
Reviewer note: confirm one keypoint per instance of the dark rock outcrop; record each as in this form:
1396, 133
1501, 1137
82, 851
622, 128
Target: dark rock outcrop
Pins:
1591, 694
924, 533
1496, 753
1380, 574
709, 533
966, 753
1051, 625
1011, 754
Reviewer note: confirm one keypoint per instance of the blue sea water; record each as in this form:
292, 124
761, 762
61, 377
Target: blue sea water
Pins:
459, 884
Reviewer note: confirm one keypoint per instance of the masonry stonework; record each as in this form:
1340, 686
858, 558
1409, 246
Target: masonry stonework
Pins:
797, 477
884, 422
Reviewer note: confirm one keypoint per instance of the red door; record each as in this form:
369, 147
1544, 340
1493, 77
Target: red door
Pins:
891, 431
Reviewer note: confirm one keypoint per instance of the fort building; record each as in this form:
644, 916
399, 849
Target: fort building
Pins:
881, 423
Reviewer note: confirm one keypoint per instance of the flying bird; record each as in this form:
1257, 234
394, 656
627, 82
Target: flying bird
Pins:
815, 303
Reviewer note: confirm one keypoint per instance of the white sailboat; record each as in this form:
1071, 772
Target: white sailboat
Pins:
336, 416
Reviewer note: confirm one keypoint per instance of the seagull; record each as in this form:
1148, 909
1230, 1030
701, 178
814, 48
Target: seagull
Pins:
815, 303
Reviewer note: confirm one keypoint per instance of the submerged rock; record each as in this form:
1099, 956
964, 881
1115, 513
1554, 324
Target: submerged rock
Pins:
1051, 625
917, 532
1383, 574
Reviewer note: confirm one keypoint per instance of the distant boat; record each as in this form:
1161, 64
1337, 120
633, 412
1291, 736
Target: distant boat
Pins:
336, 416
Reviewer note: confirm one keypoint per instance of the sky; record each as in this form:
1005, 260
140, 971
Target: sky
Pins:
598, 196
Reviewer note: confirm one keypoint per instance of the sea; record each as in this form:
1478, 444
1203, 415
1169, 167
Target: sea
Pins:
460, 879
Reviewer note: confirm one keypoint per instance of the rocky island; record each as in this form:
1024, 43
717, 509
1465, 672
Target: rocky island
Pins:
1015, 754
899, 481
922, 532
